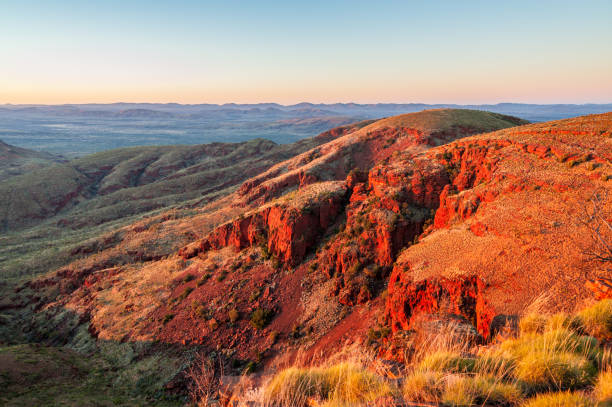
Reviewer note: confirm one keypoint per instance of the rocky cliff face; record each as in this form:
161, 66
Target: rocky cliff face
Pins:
286, 230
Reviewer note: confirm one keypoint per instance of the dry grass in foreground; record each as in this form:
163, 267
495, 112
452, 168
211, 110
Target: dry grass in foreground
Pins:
559, 360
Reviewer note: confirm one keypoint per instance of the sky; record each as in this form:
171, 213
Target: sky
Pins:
287, 52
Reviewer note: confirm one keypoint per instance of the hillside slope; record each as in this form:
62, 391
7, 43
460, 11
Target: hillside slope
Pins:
275, 210
407, 218
16, 161
46, 214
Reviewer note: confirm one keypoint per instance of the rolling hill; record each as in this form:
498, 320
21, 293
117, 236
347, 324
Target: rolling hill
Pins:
16, 161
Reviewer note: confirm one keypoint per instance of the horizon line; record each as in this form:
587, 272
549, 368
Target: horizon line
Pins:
304, 103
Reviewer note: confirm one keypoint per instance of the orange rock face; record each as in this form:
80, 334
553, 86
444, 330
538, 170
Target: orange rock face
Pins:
286, 231
408, 300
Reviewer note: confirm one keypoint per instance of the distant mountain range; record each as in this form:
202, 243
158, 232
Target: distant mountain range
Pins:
76, 130
531, 112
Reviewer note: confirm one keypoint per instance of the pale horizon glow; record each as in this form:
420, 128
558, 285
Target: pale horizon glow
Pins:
471, 52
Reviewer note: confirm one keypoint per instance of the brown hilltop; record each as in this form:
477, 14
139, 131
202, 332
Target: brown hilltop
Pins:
422, 206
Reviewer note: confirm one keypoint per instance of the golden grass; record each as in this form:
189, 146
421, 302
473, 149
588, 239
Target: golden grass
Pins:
552, 362
423, 386
561, 399
338, 384
603, 388
541, 370
447, 361
479, 390
532, 323
597, 319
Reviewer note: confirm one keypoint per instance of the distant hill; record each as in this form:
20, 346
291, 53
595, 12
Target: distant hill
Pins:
16, 161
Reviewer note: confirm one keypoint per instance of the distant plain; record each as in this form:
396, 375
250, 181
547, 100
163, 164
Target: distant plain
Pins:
77, 130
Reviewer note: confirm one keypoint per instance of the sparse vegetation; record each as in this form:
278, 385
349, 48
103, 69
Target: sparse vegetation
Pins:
340, 384
552, 362
221, 276
184, 294
202, 280
261, 317
233, 315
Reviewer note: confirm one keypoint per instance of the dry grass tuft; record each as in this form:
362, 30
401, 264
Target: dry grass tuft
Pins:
338, 384
597, 319
563, 399
603, 388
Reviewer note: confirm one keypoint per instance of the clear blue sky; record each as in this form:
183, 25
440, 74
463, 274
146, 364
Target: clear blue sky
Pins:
318, 51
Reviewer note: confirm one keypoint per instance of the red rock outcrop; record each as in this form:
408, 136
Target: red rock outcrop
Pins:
286, 231
464, 296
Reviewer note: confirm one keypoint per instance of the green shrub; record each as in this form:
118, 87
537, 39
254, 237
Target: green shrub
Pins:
261, 317
222, 275
562, 399
250, 367
185, 293
189, 277
273, 336
203, 279
167, 318
200, 310
255, 295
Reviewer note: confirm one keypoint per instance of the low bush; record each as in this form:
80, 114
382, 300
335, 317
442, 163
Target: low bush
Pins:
184, 294
261, 317
222, 275
203, 279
